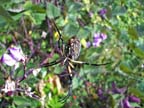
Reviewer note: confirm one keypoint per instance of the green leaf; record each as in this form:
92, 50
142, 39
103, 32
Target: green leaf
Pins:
17, 1
17, 16
52, 11
55, 103
2, 21
71, 30
139, 52
19, 100
140, 30
25, 102
76, 83
135, 105
133, 33
43, 72
119, 10
83, 33
4, 1
5, 14
39, 17
34, 8
2, 80
125, 69
136, 92
112, 101
74, 7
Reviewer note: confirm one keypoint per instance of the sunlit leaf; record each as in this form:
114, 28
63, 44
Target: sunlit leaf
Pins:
55, 103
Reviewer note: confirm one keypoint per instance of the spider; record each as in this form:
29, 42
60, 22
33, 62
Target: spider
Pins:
70, 53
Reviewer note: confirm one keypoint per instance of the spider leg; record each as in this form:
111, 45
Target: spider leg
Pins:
86, 63
52, 63
92, 64
69, 91
63, 75
60, 40
60, 43
70, 75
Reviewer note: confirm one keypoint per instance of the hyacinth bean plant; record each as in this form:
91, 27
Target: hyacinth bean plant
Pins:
108, 31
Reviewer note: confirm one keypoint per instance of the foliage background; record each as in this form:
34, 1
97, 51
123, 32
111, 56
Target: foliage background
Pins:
23, 21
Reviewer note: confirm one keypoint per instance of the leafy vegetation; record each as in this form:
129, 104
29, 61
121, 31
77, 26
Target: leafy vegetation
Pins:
109, 31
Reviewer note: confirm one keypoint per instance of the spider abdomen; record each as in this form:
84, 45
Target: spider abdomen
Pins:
74, 47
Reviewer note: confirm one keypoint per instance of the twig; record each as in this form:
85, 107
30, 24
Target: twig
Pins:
50, 31
29, 72
28, 93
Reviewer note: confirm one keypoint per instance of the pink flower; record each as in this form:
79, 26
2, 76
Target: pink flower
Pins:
8, 60
98, 38
115, 89
102, 13
134, 99
13, 56
103, 36
16, 53
96, 44
125, 103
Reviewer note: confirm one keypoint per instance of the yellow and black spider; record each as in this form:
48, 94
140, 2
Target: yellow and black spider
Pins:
70, 52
